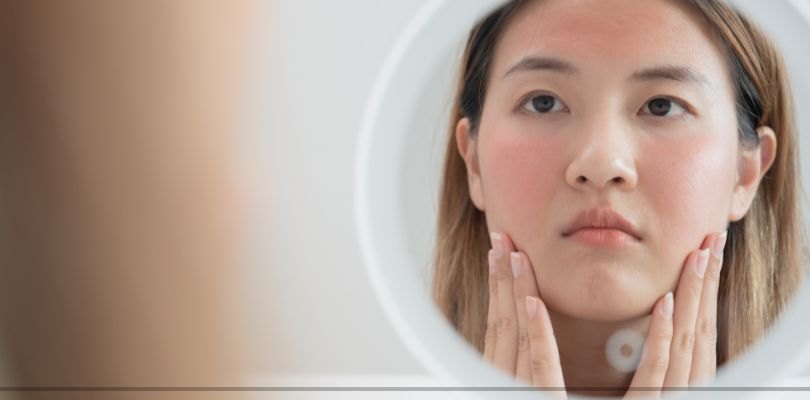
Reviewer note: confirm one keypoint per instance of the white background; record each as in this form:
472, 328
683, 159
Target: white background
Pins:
320, 314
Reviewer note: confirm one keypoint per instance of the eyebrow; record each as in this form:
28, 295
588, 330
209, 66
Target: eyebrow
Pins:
542, 63
671, 72
664, 72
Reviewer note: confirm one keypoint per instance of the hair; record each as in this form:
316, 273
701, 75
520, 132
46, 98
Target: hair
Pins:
765, 249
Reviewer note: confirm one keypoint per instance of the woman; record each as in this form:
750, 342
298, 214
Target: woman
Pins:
620, 158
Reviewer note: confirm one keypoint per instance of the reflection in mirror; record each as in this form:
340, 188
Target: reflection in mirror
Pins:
619, 206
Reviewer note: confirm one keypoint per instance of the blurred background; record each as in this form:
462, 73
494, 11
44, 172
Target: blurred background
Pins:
132, 161
132, 153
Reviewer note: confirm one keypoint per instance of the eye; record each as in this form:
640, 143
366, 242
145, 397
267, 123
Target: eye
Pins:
543, 104
664, 107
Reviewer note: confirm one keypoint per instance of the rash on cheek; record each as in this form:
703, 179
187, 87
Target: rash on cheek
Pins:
520, 176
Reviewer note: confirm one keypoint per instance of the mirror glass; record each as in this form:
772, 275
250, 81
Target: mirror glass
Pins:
590, 141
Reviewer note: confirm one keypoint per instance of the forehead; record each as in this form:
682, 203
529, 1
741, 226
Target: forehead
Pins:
618, 34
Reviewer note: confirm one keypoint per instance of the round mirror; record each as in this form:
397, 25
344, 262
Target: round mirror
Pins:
398, 176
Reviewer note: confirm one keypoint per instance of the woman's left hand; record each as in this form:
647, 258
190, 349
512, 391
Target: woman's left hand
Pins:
680, 349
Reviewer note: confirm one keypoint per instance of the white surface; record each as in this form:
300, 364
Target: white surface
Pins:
422, 381
309, 300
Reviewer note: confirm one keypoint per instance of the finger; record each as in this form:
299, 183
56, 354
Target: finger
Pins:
704, 357
492, 310
525, 285
687, 300
654, 361
506, 329
545, 357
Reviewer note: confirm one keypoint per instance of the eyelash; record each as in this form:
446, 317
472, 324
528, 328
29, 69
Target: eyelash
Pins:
525, 101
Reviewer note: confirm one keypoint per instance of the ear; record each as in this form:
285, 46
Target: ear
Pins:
467, 147
752, 166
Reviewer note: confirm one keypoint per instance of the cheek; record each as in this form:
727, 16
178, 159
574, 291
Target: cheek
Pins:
521, 175
689, 185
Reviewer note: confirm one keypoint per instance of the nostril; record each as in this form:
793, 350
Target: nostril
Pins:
582, 179
618, 179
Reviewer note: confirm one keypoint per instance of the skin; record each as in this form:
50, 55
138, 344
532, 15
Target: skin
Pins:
124, 208
680, 178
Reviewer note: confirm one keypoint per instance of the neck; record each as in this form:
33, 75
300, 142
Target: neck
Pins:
582, 347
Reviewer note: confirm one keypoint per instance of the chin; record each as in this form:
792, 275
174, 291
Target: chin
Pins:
608, 302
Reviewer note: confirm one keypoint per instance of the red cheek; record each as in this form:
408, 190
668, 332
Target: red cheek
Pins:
520, 178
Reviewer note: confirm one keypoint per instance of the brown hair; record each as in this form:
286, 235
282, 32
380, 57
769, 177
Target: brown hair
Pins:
765, 250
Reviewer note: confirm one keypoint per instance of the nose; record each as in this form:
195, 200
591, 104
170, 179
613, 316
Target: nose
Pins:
603, 158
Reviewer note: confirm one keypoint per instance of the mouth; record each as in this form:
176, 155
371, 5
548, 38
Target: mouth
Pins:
602, 227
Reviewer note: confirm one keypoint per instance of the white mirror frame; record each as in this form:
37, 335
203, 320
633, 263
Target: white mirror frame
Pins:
407, 110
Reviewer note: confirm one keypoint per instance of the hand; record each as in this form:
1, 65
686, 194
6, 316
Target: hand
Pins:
519, 338
682, 338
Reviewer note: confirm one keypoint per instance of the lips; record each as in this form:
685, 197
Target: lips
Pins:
601, 218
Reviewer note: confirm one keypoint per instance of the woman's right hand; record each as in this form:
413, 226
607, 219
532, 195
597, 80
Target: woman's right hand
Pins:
519, 338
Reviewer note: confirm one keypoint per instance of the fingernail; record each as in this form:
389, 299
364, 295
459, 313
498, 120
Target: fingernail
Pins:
720, 244
703, 262
531, 307
668, 305
491, 260
497, 244
517, 264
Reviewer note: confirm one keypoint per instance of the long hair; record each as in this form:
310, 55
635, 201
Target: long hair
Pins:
765, 250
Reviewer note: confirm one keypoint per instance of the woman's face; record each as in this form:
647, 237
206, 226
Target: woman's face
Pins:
624, 105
